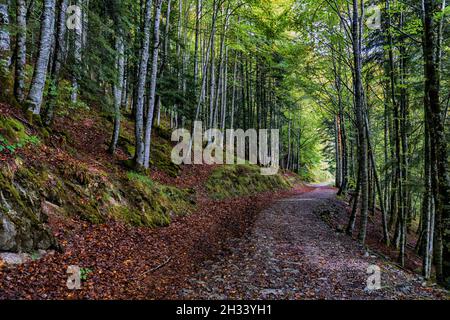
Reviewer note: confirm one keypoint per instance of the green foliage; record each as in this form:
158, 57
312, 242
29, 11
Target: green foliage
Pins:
140, 178
13, 135
84, 273
64, 103
11, 148
153, 204
20, 205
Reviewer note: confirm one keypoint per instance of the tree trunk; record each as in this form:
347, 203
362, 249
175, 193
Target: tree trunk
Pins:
78, 46
58, 59
21, 50
360, 106
34, 100
440, 179
140, 90
118, 91
5, 38
427, 209
153, 80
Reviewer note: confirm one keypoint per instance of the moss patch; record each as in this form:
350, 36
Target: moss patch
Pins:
241, 180
21, 219
161, 150
156, 204
161, 157
12, 129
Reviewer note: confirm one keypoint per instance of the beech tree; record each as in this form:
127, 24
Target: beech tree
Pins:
153, 80
5, 41
363, 105
35, 95
21, 50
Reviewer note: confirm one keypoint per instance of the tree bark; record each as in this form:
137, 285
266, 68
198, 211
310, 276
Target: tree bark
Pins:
21, 50
153, 80
118, 91
5, 38
440, 179
360, 106
34, 100
58, 59
77, 49
140, 90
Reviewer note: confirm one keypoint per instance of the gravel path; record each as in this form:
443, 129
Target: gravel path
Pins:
291, 253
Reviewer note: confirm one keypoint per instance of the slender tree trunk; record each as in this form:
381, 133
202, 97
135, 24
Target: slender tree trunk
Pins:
118, 91
34, 100
21, 50
153, 80
198, 10
233, 91
356, 198
360, 106
427, 208
78, 46
5, 38
212, 76
337, 151
140, 90
58, 58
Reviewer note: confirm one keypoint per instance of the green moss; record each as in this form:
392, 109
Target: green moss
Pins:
139, 177
90, 212
130, 149
126, 214
12, 129
44, 132
20, 203
161, 151
156, 204
241, 180
79, 191
10, 192
160, 157
78, 174
7, 81
37, 120
163, 132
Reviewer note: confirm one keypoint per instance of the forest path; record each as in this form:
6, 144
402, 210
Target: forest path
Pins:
290, 253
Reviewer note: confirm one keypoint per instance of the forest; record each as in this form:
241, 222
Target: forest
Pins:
91, 92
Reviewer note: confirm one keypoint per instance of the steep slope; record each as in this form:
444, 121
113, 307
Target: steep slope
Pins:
66, 173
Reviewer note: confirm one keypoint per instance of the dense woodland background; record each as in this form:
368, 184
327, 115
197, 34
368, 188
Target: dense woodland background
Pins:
368, 105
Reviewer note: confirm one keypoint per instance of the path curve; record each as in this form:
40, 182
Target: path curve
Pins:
291, 253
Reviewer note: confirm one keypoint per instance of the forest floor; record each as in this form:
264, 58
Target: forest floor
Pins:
292, 253
269, 246
272, 245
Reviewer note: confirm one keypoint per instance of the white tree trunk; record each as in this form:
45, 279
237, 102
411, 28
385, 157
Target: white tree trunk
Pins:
35, 95
118, 91
140, 91
225, 92
153, 80
21, 50
5, 40
233, 90
78, 45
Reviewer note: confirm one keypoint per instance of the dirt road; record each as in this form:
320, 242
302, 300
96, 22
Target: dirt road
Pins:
291, 253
